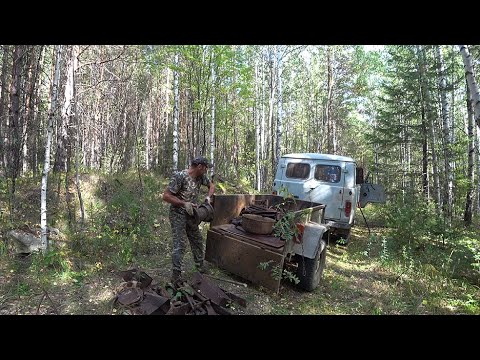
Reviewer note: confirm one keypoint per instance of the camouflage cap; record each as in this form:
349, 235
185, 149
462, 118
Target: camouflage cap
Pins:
202, 160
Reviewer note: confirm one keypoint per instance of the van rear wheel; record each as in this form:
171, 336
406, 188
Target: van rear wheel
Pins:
309, 271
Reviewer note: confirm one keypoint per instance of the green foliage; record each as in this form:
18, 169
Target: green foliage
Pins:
412, 219
3, 247
22, 289
277, 273
285, 228
54, 259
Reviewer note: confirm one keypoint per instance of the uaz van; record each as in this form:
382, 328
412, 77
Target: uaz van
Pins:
332, 180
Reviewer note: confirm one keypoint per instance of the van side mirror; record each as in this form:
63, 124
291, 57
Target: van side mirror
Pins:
359, 176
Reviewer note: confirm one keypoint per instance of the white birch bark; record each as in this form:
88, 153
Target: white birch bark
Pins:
73, 107
147, 135
446, 132
175, 115
270, 139
472, 84
279, 109
262, 122
257, 131
477, 145
331, 141
46, 167
212, 131
470, 173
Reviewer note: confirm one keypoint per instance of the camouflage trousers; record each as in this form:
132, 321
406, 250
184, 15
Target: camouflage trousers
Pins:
184, 228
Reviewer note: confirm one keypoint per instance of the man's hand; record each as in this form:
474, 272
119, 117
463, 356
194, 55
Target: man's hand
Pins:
188, 208
208, 200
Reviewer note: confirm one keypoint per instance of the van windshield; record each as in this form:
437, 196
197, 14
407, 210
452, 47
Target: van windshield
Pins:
328, 173
298, 170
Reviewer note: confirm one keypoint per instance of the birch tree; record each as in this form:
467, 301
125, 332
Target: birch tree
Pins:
175, 114
14, 122
212, 128
472, 84
470, 175
3, 104
447, 137
331, 136
46, 166
280, 110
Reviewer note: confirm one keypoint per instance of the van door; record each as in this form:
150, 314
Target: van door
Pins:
371, 193
326, 187
294, 174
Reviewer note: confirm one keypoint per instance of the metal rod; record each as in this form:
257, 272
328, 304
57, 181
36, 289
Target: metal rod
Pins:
226, 280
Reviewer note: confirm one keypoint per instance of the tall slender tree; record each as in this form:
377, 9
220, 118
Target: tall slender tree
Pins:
46, 167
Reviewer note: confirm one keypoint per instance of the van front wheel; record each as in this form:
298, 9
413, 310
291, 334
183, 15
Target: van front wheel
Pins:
309, 271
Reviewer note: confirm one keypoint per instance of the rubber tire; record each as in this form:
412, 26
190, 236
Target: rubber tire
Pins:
313, 270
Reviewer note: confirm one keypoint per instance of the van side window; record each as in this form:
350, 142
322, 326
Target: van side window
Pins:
298, 170
328, 173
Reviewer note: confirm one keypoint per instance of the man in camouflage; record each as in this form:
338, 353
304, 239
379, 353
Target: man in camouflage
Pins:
182, 194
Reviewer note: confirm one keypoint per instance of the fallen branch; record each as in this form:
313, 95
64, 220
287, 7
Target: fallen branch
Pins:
53, 304
40, 303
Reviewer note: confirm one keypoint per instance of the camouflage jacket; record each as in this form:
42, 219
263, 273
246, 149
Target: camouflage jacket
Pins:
185, 187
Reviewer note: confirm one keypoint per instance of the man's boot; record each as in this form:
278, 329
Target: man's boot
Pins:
176, 276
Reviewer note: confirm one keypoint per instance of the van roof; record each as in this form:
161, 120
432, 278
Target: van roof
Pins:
317, 156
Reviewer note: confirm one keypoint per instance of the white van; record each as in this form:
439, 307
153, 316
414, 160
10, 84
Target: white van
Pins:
332, 180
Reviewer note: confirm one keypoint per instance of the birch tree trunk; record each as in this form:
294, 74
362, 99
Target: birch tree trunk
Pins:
280, 111
271, 103
73, 113
212, 130
472, 84
470, 176
257, 132
262, 125
46, 166
175, 114
147, 134
328, 117
37, 117
67, 114
14, 123
446, 134
3, 102
477, 145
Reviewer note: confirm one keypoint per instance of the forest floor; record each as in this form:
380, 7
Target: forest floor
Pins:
81, 276
351, 284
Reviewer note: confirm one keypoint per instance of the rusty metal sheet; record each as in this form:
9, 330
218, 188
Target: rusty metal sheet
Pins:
130, 296
209, 290
239, 300
272, 241
243, 258
151, 303
135, 275
229, 206
180, 309
221, 310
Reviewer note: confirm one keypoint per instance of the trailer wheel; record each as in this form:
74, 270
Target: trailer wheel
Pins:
310, 278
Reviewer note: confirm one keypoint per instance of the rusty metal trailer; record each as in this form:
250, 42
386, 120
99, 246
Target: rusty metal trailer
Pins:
230, 247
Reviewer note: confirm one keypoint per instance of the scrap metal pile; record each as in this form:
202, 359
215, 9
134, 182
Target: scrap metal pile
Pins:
137, 296
263, 209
